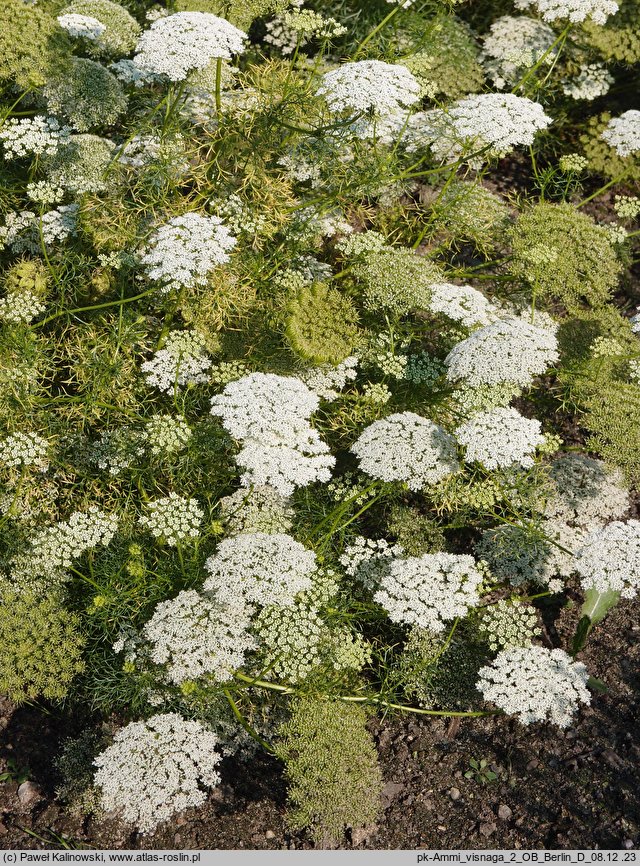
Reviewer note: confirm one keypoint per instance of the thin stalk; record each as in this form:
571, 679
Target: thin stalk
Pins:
245, 724
560, 39
103, 306
219, 87
375, 31
602, 189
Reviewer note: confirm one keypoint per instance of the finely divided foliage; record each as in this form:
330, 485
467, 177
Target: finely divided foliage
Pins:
319, 380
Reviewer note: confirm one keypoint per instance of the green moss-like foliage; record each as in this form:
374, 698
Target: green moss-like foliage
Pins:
321, 325
27, 276
468, 212
122, 29
396, 280
604, 159
613, 420
33, 46
620, 39
40, 648
238, 12
87, 94
564, 256
332, 768
447, 62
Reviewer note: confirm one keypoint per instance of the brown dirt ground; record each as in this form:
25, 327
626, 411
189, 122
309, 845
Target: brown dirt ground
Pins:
577, 788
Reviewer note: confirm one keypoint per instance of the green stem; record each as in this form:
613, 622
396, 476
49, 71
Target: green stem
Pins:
245, 724
560, 39
375, 31
219, 87
602, 189
104, 306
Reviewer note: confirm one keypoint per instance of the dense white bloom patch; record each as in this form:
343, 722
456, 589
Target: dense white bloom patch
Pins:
609, 559
593, 80
500, 437
406, 447
24, 449
154, 769
429, 590
367, 560
260, 509
81, 26
514, 44
509, 350
261, 568
573, 10
485, 125
535, 684
166, 434
623, 133
173, 518
20, 305
33, 136
270, 415
194, 636
54, 548
183, 251
369, 85
182, 361
463, 304
179, 43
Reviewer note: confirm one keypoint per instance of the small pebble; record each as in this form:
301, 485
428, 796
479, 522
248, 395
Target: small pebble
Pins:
269, 834
488, 828
504, 812
28, 793
628, 843
454, 793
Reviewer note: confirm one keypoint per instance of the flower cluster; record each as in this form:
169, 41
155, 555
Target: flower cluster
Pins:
609, 560
500, 437
479, 127
24, 449
368, 560
182, 361
270, 415
593, 81
515, 44
54, 548
154, 769
193, 636
262, 568
509, 350
406, 447
81, 26
508, 624
429, 590
182, 252
260, 509
32, 136
623, 133
176, 45
574, 10
173, 519
327, 381
166, 434
462, 304
535, 684
20, 305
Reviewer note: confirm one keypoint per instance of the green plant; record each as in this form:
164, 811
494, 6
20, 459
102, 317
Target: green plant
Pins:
480, 771
321, 325
15, 773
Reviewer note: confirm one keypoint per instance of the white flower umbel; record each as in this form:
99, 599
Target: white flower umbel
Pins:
429, 590
572, 10
194, 636
406, 447
270, 415
327, 381
24, 449
623, 133
33, 136
155, 768
509, 350
261, 568
586, 493
54, 548
182, 252
368, 560
535, 684
514, 44
20, 305
462, 304
609, 559
81, 26
480, 127
166, 434
384, 91
593, 80
182, 361
178, 44
500, 437
173, 519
